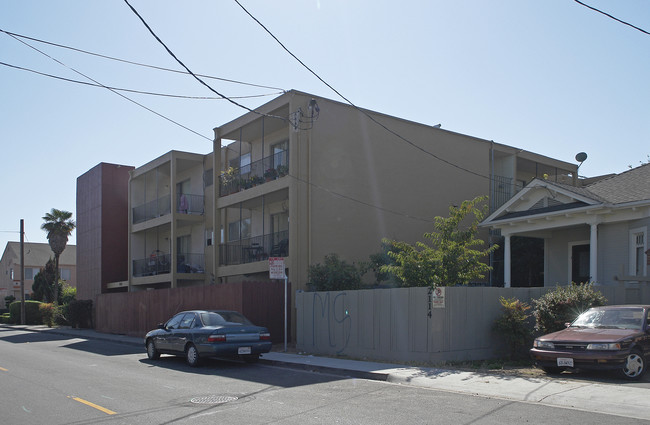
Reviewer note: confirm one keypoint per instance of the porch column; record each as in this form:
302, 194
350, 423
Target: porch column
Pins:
506, 261
593, 253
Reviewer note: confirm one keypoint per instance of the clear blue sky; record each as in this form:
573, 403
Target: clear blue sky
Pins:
552, 77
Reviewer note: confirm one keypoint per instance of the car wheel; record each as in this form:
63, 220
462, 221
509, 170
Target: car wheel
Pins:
251, 358
634, 366
192, 355
552, 370
152, 352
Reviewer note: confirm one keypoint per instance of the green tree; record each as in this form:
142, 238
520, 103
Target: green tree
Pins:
58, 225
452, 254
43, 286
334, 275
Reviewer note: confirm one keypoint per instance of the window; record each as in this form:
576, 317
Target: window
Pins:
186, 322
209, 237
65, 274
174, 322
638, 262
278, 151
238, 230
30, 273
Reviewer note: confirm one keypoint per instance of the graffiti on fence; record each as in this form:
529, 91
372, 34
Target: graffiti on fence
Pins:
334, 317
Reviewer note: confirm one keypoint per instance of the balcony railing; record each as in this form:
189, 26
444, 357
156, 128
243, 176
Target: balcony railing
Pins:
153, 209
258, 172
189, 204
504, 189
190, 263
159, 263
253, 249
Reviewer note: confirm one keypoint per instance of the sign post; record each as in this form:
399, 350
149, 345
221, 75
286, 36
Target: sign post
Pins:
276, 271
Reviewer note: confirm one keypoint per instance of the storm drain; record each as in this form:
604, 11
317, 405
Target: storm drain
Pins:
213, 399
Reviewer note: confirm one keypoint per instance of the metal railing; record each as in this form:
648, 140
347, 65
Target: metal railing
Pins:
156, 208
190, 204
255, 173
254, 249
190, 263
155, 264
504, 189
158, 263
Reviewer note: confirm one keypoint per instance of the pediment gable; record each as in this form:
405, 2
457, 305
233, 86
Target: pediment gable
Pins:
540, 197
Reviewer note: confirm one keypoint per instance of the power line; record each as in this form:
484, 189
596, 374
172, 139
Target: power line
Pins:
134, 91
138, 63
612, 17
358, 108
193, 74
114, 91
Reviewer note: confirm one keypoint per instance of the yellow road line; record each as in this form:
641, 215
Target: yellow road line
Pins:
100, 408
3, 369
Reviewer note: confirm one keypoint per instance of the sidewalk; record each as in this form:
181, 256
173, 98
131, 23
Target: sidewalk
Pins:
627, 400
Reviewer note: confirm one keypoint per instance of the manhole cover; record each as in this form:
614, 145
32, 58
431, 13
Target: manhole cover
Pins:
213, 399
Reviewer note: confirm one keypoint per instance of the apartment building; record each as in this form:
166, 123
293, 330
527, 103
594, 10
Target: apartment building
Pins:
36, 257
303, 177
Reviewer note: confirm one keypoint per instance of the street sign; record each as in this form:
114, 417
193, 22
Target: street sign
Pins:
276, 268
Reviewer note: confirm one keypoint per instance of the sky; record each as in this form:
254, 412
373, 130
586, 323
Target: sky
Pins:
552, 77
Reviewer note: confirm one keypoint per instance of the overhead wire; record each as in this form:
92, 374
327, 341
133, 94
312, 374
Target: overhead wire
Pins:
139, 63
368, 115
612, 17
131, 90
108, 88
193, 74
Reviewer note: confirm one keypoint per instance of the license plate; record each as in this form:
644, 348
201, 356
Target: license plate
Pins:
564, 362
244, 350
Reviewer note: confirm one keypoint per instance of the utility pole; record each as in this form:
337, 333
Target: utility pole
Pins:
22, 271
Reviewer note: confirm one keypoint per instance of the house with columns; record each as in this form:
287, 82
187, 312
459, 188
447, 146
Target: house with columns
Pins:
596, 231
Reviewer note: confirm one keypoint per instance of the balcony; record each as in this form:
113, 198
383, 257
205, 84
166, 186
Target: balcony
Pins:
253, 174
190, 204
153, 209
158, 263
254, 249
504, 189
190, 263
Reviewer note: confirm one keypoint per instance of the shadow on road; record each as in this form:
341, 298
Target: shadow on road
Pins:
105, 348
255, 372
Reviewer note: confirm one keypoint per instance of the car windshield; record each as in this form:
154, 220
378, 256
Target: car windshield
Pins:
223, 317
612, 318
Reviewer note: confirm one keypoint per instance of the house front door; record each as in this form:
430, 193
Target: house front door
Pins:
580, 263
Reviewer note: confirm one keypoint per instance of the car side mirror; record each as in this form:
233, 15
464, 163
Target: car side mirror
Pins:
567, 324
161, 326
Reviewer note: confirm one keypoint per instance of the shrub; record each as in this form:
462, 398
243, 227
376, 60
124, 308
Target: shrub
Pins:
334, 275
79, 313
9, 299
514, 327
562, 305
5, 318
47, 313
32, 313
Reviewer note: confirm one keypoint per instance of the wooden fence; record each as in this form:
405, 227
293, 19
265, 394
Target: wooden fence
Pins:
402, 325
136, 313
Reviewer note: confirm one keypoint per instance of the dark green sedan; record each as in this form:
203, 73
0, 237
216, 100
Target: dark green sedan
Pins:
198, 334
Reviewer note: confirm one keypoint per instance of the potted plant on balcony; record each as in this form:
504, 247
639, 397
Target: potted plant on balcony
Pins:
283, 170
229, 181
271, 174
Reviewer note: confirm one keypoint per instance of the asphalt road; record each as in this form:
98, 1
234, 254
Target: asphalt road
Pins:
56, 379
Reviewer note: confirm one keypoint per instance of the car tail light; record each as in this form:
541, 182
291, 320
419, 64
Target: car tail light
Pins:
265, 336
217, 338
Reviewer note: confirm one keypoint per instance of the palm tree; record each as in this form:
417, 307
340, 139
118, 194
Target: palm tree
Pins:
58, 225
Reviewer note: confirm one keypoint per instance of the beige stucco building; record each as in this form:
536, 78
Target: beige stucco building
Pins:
302, 177
36, 256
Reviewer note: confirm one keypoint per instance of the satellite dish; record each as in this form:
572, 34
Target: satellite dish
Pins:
581, 157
